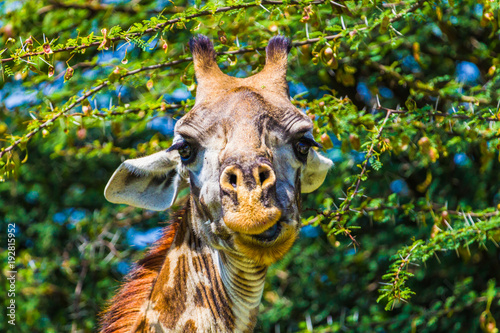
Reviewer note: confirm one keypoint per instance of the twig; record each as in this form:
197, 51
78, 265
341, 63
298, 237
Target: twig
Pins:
92, 7
441, 114
429, 90
347, 203
127, 111
55, 117
78, 292
367, 158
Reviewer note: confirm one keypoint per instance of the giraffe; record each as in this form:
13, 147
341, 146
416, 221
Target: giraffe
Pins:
246, 154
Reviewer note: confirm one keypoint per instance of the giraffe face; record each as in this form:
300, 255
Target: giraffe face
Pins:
246, 153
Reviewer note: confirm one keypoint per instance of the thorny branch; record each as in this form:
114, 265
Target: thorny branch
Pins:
92, 7
347, 203
175, 62
160, 26
221, 10
404, 263
427, 208
424, 87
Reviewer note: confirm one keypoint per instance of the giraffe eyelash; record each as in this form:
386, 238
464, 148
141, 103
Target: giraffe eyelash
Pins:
176, 146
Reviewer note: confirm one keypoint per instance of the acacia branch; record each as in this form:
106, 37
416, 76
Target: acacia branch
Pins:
92, 7
160, 26
179, 61
347, 203
433, 206
424, 87
441, 114
124, 112
54, 118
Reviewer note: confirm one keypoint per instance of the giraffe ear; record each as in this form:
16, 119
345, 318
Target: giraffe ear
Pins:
315, 171
150, 182
274, 72
208, 74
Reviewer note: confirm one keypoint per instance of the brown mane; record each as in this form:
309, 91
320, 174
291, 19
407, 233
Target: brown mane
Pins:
121, 313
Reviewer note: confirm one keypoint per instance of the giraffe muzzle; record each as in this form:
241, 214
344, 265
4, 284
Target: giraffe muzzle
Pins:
248, 199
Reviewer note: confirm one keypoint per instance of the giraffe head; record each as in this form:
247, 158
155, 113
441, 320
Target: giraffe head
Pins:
246, 153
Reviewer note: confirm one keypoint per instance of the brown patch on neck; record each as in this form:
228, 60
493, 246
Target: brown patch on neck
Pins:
122, 312
171, 302
189, 327
213, 296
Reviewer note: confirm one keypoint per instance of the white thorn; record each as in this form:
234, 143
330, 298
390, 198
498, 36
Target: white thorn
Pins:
337, 4
267, 10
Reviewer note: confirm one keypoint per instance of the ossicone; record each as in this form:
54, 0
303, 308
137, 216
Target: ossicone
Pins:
202, 50
278, 48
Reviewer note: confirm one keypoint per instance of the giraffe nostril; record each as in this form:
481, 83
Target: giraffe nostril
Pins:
232, 180
263, 176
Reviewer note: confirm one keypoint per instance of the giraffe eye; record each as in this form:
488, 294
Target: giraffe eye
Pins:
185, 151
302, 147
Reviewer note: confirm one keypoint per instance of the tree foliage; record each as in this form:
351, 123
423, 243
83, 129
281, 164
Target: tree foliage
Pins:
403, 235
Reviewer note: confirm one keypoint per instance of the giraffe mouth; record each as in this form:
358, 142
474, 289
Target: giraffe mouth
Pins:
270, 234
268, 246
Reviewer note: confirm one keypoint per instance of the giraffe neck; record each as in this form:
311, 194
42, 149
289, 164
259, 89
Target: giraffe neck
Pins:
244, 283
196, 288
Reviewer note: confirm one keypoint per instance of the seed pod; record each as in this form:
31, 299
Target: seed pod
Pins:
326, 141
492, 70
355, 143
384, 25
81, 133
433, 154
164, 46
51, 71
306, 14
328, 57
416, 51
69, 73
315, 60
105, 41
46, 48
29, 44
86, 108
187, 80
425, 144
222, 36
434, 231
125, 60
115, 75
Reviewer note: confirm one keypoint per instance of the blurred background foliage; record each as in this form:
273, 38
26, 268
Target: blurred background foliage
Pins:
402, 237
